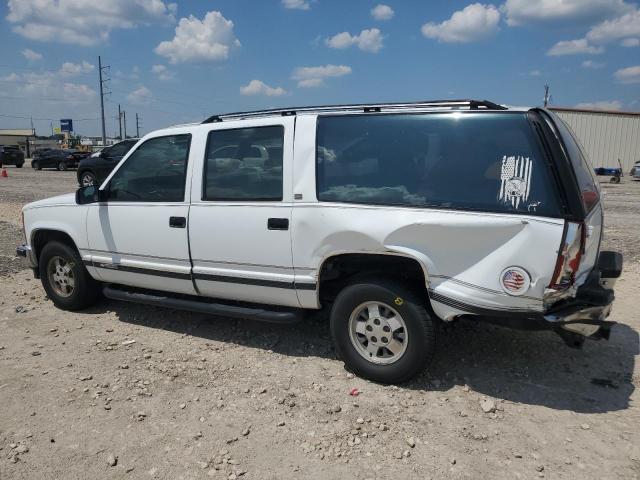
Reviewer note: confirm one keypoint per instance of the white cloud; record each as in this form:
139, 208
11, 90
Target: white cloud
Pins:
31, 55
258, 87
69, 69
140, 96
630, 42
520, 12
602, 105
592, 64
51, 87
296, 4
474, 22
628, 75
368, 40
574, 47
162, 72
382, 12
209, 39
308, 77
84, 22
12, 77
535, 73
627, 25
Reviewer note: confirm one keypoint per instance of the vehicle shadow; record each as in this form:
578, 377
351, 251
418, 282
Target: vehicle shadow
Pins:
533, 368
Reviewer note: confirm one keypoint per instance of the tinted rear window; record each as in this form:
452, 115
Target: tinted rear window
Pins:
581, 166
475, 161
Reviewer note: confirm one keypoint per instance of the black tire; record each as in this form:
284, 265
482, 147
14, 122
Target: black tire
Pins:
19, 165
82, 176
420, 327
86, 290
36, 165
62, 166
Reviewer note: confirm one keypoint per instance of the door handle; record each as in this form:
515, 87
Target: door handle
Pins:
177, 222
278, 224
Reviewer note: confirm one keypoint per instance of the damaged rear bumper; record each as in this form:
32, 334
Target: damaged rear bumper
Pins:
587, 313
577, 318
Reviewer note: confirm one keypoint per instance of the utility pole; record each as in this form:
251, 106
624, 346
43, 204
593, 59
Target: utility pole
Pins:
137, 126
120, 121
124, 121
104, 134
546, 95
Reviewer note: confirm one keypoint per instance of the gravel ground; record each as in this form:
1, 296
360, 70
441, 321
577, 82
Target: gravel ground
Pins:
129, 391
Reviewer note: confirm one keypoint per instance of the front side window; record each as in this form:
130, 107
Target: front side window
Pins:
244, 164
155, 172
474, 161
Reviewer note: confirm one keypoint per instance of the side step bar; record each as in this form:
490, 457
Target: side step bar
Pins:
200, 305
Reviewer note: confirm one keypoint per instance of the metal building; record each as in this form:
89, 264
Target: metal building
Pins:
606, 135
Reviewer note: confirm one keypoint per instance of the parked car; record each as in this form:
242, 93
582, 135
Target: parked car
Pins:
11, 155
392, 218
635, 171
95, 168
60, 159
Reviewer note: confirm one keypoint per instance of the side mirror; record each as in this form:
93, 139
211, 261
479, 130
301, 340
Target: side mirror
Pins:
88, 194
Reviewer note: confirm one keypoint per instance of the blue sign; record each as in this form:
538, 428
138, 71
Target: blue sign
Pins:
66, 125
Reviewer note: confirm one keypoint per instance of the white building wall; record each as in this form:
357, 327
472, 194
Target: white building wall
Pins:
606, 136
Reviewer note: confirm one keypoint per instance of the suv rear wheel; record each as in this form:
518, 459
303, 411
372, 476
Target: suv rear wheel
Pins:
65, 278
382, 331
62, 165
19, 165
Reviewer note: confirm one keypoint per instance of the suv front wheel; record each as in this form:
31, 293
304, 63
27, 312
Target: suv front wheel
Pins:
382, 331
65, 278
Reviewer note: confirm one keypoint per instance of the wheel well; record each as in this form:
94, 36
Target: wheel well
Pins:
42, 237
336, 272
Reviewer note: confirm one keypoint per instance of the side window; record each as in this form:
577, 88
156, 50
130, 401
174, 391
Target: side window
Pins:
589, 186
155, 172
472, 161
244, 164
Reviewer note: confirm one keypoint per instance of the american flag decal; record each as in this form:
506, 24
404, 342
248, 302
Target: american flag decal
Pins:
515, 180
513, 280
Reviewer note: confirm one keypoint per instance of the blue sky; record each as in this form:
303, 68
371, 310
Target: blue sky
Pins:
178, 62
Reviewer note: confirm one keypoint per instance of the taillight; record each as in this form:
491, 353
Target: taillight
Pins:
569, 256
589, 199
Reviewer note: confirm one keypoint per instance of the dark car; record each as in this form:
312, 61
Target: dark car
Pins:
96, 168
59, 159
11, 155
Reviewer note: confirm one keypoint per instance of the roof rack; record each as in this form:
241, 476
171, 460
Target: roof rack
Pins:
366, 108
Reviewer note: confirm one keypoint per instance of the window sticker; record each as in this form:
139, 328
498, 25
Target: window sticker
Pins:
515, 179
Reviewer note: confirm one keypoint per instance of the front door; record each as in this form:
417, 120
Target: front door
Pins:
138, 237
241, 211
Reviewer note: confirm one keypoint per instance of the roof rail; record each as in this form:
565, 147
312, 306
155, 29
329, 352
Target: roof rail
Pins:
367, 108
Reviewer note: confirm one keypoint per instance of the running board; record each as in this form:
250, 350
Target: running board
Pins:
200, 305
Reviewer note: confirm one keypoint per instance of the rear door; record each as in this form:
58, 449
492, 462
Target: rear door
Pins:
241, 212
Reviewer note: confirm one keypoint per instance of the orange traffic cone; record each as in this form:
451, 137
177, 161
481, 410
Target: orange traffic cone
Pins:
4, 173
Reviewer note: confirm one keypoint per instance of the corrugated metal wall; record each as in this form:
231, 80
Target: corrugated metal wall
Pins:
606, 137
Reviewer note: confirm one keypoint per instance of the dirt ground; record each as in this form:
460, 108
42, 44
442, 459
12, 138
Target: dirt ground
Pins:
129, 391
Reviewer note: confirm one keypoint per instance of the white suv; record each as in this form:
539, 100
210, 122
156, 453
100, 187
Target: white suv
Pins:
392, 217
